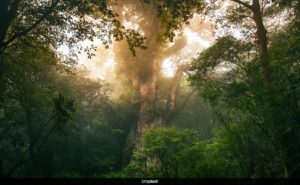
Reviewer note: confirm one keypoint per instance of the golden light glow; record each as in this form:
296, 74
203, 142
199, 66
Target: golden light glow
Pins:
168, 68
193, 37
102, 66
195, 44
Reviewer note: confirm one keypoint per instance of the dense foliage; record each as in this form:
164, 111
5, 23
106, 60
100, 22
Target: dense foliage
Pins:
231, 112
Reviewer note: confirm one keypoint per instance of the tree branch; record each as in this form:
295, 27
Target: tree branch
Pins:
24, 32
243, 3
179, 44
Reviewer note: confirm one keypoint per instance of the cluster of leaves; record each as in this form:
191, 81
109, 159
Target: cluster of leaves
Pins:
175, 13
57, 23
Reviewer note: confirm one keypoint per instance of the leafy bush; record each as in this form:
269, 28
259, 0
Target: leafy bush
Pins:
173, 152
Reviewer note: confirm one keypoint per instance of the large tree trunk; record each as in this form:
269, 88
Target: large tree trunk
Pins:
141, 71
262, 41
147, 109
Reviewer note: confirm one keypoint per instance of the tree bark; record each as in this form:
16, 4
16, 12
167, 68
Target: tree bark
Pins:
262, 41
147, 112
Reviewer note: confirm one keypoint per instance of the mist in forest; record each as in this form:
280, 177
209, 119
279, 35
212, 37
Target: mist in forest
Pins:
150, 89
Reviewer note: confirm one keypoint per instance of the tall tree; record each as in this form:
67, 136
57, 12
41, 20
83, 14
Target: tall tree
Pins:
261, 36
157, 21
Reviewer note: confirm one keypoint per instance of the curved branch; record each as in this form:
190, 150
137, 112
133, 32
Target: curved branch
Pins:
179, 44
243, 3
